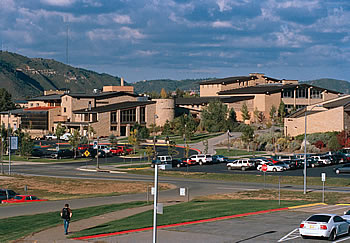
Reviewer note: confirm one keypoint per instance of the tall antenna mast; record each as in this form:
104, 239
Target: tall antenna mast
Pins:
67, 44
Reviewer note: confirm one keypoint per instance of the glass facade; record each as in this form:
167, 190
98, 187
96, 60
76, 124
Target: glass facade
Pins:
128, 116
34, 120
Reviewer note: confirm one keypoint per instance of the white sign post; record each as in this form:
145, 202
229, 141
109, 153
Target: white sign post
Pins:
183, 192
323, 175
155, 201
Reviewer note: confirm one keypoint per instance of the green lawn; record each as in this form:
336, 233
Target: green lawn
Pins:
236, 152
17, 227
190, 211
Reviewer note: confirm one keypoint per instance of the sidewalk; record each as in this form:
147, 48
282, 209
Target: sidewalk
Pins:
56, 234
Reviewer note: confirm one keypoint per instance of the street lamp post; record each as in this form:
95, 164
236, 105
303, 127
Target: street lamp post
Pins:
305, 165
154, 137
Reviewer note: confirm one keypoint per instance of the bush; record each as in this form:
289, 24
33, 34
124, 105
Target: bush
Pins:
269, 147
319, 144
294, 145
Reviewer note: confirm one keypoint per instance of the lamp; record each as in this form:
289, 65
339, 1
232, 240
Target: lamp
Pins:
305, 146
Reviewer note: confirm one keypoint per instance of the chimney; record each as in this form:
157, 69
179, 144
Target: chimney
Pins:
122, 81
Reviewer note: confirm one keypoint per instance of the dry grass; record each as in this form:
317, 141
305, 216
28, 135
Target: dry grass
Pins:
330, 197
60, 188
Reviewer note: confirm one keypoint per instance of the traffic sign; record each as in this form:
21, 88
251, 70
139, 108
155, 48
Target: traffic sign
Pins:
95, 146
323, 175
87, 153
264, 167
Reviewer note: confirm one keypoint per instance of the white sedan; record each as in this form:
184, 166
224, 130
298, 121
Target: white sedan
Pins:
324, 225
271, 167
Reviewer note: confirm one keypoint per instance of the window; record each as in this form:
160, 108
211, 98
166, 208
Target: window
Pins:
128, 116
64, 109
113, 128
316, 94
288, 94
86, 117
114, 117
142, 114
302, 93
94, 117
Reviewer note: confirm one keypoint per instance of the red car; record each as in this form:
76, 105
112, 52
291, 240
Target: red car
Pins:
23, 198
121, 150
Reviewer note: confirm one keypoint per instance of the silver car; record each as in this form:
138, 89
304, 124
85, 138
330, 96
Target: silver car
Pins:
324, 225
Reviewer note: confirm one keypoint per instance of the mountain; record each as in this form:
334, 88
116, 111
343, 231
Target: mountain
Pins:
332, 84
168, 84
27, 77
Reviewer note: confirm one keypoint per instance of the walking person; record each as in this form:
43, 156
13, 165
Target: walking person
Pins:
66, 214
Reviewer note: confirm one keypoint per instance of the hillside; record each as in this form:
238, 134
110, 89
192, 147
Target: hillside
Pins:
332, 84
27, 77
167, 84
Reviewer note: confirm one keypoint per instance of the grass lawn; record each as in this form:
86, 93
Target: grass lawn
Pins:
236, 152
17, 227
195, 139
259, 178
189, 211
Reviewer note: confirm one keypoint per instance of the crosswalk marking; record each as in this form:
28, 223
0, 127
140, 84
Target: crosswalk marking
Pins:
290, 236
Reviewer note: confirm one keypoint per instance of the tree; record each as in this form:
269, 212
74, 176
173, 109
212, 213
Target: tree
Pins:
185, 126
273, 113
333, 144
214, 116
163, 94
60, 130
113, 139
133, 139
74, 141
26, 145
232, 116
261, 117
245, 112
5, 100
166, 129
247, 134
149, 152
142, 131
206, 146
172, 148
281, 112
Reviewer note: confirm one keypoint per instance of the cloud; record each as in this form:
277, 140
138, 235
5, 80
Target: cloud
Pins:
101, 34
61, 3
222, 24
122, 19
223, 5
129, 33
147, 53
290, 38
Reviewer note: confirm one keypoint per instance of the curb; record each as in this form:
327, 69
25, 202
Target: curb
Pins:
307, 205
179, 224
106, 171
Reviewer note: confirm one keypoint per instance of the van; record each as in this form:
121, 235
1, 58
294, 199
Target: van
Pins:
105, 148
162, 159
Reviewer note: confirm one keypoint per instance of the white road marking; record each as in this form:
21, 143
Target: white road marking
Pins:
338, 208
346, 238
327, 206
290, 236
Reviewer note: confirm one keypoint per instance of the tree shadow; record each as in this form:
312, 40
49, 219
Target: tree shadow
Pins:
255, 236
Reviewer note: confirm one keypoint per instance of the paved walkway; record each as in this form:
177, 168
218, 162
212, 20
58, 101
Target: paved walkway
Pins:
56, 234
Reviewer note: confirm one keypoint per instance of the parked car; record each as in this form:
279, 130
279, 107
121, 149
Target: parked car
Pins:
343, 169
285, 165
241, 164
23, 198
66, 136
162, 159
121, 150
202, 158
324, 225
271, 167
50, 137
346, 215
283, 157
178, 163
7, 194
62, 153
322, 160
189, 161
219, 158
83, 147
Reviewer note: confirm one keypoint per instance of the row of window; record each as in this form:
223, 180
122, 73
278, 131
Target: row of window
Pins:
129, 116
302, 93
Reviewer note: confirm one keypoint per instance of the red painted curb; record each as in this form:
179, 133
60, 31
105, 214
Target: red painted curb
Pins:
180, 224
190, 148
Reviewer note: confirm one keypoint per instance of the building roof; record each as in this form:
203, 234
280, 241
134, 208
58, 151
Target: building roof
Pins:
342, 101
24, 111
113, 107
231, 80
271, 88
100, 96
41, 108
206, 100
46, 97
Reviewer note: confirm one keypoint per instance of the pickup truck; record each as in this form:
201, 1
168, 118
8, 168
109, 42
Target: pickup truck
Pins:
65, 136
121, 150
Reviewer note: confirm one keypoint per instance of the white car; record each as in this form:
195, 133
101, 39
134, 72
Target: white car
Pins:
66, 136
271, 167
202, 158
346, 215
324, 225
241, 164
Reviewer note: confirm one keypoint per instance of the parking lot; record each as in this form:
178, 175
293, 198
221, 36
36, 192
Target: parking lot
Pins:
270, 227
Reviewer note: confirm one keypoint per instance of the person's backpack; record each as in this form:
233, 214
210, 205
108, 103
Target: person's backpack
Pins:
65, 213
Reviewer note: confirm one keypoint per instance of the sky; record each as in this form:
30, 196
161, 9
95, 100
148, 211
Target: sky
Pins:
181, 39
